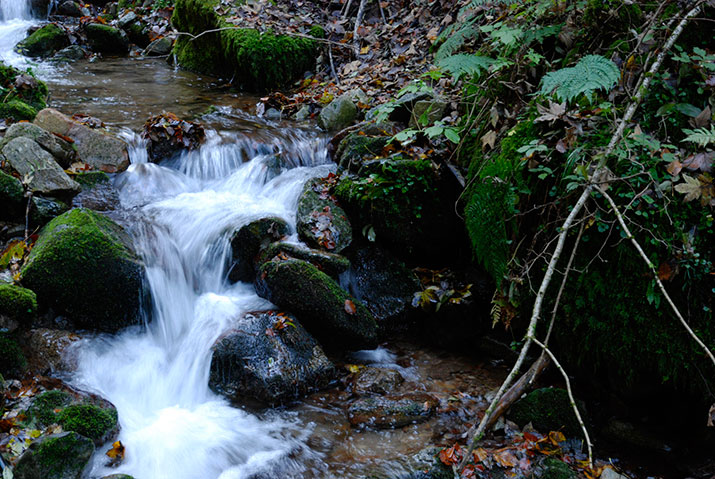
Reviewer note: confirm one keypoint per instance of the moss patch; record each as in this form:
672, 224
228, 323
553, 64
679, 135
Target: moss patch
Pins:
547, 409
12, 361
18, 303
20, 103
59, 456
88, 420
44, 407
44, 42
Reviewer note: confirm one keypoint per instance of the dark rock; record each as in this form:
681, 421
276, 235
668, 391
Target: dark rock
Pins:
43, 210
547, 409
51, 350
44, 175
136, 29
326, 310
84, 252
12, 361
248, 241
40, 8
58, 456
631, 436
354, 148
329, 263
98, 149
127, 19
321, 222
169, 135
391, 411
383, 283
70, 54
376, 380
97, 194
62, 150
106, 40
18, 307
403, 106
159, 47
552, 468
338, 114
44, 42
270, 357
12, 198
433, 110
427, 465
69, 8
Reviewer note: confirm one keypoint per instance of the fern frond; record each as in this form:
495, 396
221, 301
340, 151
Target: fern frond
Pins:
455, 39
701, 136
465, 64
591, 73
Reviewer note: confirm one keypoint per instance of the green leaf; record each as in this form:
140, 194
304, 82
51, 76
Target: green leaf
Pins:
452, 135
591, 73
465, 64
701, 136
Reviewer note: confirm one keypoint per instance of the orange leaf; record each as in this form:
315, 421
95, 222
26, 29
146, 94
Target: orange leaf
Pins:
556, 437
451, 456
116, 453
480, 454
505, 458
350, 307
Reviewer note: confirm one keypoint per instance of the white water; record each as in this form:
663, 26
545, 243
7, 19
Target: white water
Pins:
15, 9
172, 425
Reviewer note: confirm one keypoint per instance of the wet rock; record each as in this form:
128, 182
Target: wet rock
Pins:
51, 350
326, 310
43, 210
39, 8
69, 9
391, 411
44, 42
70, 54
432, 110
62, 150
159, 47
18, 307
58, 456
127, 19
83, 265
376, 380
426, 465
118, 476
248, 241
329, 263
169, 135
547, 409
12, 198
354, 148
100, 150
31, 161
338, 114
106, 40
98, 193
383, 283
12, 361
270, 357
321, 222
608, 473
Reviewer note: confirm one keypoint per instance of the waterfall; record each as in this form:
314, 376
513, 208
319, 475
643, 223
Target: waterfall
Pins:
15, 10
172, 424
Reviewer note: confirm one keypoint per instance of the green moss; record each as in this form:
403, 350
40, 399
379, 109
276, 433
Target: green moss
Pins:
88, 420
17, 110
18, 303
60, 456
20, 103
12, 361
44, 42
255, 60
44, 406
355, 147
12, 197
554, 469
547, 409
317, 31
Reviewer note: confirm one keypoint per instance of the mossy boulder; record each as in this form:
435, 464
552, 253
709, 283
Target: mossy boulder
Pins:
12, 362
354, 148
12, 198
58, 456
44, 42
106, 39
83, 265
321, 222
329, 263
23, 95
17, 110
272, 368
547, 409
44, 407
249, 240
553, 468
256, 60
327, 311
18, 307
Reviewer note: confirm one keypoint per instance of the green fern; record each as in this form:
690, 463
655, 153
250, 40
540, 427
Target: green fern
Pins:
701, 136
591, 73
454, 38
465, 64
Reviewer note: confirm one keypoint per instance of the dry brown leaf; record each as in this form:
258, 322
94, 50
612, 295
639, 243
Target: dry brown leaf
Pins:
489, 139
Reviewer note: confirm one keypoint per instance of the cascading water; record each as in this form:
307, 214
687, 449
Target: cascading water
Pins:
183, 214
15, 20
15, 10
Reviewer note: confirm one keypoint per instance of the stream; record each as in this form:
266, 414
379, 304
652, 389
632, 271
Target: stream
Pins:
181, 214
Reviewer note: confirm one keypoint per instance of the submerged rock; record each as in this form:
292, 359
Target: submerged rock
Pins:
106, 39
327, 311
248, 241
376, 380
18, 307
100, 150
58, 456
44, 42
321, 223
391, 411
270, 357
83, 265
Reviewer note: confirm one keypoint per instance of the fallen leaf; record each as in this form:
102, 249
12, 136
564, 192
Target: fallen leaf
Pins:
451, 456
505, 458
480, 454
489, 139
116, 453
350, 307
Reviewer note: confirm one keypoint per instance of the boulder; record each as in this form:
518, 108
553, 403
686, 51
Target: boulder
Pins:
51, 350
391, 411
321, 222
326, 310
270, 357
383, 283
100, 150
63, 151
44, 42
338, 114
69, 8
12, 198
432, 111
354, 148
248, 241
39, 167
329, 263
58, 456
24, 94
83, 265
547, 409
372, 380
98, 193
12, 361
69, 54
160, 47
18, 307
43, 210
106, 40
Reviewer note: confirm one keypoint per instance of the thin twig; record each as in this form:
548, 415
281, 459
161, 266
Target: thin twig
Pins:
332, 65
358, 20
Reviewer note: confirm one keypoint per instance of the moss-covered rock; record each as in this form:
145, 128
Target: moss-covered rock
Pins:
58, 456
91, 179
82, 265
329, 263
89, 420
23, 95
12, 198
106, 39
356, 147
17, 305
17, 110
12, 361
325, 309
44, 407
44, 42
248, 241
321, 222
552, 468
547, 409
255, 60
43, 210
